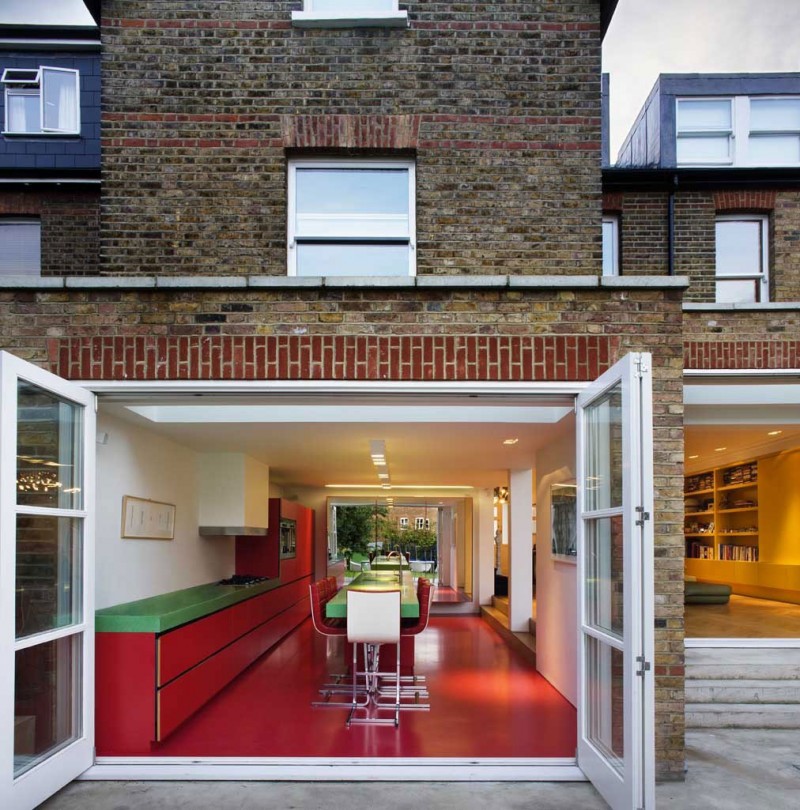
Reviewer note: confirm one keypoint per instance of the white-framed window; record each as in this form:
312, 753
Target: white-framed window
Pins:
610, 245
347, 13
351, 218
419, 523
742, 259
44, 101
774, 132
738, 131
20, 246
704, 131
403, 522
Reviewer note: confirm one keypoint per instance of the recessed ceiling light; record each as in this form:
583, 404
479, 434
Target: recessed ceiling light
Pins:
383, 475
510, 441
775, 433
694, 456
719, 449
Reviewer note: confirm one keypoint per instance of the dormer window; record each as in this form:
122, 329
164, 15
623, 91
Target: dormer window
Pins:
45, 101
350, 14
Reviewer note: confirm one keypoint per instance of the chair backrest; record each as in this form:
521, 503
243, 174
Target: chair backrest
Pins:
373, 617
333, 586
315, 595
425, 597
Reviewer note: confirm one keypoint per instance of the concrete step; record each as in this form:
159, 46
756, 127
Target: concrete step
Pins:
743, 691
726, 715
728, 663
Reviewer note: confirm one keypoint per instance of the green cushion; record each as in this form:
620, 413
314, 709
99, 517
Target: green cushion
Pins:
706, 593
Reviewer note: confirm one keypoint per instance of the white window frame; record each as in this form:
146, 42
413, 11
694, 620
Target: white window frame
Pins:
311, 17
31, 221
706, 133
763, 277
293, 238
739, 133
419, 523
403, 522
31, 82
613, 246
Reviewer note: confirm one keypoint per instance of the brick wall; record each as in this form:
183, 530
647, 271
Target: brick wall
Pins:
198, 98
643, 231
69, 226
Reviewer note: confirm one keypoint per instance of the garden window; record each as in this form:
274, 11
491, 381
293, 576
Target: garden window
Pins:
741, 259
20, 247
42, 101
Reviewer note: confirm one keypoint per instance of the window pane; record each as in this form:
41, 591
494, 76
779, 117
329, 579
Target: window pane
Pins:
352, 260
48, 450
47, 700
700, 114
610, 248
605, 711
603, 484
352, 191
704, 149
60, 89
20, 248
773, 150
739, 248
604, 568
49, 559
737, 292
351, 6
23, 112
775, 114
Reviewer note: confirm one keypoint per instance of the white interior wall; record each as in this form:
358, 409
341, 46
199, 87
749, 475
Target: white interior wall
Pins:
556, 580
486, 548
136, 462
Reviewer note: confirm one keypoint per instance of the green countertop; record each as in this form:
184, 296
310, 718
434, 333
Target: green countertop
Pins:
389, 563
168, 610
378, 581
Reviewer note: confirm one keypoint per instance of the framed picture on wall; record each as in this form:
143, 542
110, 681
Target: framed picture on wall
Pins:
143, 519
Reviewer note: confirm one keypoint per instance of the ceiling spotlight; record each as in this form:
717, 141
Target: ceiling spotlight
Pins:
386, 486
719, 449
383, 475
774, 433
695, 456
510, 441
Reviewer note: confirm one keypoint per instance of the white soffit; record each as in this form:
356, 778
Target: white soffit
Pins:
741, 404
52, 13
232, 414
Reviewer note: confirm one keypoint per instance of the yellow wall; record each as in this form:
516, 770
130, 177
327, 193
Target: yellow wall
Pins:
779, 508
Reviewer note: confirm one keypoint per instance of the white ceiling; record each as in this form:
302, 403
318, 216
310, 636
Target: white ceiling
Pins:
441, 443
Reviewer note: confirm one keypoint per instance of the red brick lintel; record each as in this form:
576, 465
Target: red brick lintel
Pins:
742, 354
331, 357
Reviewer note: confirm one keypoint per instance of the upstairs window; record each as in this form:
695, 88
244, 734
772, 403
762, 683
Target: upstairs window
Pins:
351, 218
705, 131
43, 101
350, 13
738, 131
774, 138
403, 522
20, 247
610, 245
742, 259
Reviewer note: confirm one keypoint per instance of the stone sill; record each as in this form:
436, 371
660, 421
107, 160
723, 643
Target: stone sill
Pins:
386, 19
339, 282
773, 306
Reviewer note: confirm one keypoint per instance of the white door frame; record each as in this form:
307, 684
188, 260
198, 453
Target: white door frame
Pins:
629, 784
57, 769
550, 769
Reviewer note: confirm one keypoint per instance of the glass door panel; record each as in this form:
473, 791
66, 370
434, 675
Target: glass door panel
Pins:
46, 595
615, 708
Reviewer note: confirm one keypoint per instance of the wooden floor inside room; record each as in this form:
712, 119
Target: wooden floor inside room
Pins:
743, 617
487, 700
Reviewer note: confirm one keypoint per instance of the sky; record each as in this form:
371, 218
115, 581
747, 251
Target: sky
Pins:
648, 37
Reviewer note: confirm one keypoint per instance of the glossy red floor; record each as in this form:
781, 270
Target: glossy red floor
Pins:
487, 701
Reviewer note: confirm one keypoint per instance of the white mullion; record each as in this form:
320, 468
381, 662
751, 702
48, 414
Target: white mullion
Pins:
603, 636
45, 511
50, 635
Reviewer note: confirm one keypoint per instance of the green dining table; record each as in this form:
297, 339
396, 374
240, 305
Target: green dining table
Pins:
336, 607
383, 563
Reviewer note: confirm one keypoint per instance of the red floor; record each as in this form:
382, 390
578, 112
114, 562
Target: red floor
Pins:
486, 701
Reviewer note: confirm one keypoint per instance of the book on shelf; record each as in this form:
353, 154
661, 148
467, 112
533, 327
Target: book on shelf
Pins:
700, 551
728, 551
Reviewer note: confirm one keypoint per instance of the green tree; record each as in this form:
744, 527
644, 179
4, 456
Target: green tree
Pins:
355, 526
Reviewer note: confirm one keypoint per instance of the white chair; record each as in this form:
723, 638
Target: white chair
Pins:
373, 618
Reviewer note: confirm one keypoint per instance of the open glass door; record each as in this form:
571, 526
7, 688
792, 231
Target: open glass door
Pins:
47, 430
615, 584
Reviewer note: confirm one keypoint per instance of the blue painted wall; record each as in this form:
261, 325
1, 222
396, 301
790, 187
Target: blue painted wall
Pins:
56, 152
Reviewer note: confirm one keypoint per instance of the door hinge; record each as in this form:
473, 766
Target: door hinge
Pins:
644, 664
642, 366
644, 516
